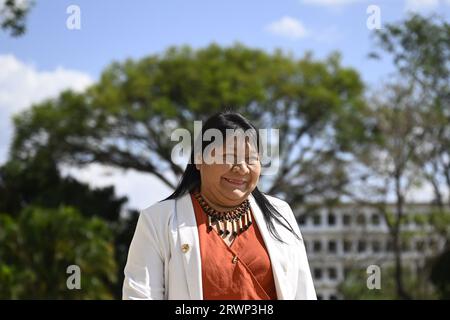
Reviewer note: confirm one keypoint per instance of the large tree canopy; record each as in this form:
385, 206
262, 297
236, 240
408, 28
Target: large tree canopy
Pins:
126, 119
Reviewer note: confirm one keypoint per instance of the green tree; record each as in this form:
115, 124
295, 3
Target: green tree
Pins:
354, 287
39, 245
38, 182
420, 49
388, 160
126, 119
439, 274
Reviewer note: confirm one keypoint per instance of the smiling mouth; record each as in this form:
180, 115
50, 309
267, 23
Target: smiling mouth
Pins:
236, 182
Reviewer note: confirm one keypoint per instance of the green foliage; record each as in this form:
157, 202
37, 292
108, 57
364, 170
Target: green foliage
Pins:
420, 48
438, 219
37, 182
13, 14
39, 245
409, 117
354, 287
440, 275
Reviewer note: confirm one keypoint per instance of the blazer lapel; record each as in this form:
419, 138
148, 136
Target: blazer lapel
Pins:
273, 250
188, 235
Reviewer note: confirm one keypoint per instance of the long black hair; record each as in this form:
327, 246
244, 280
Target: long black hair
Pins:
190, 180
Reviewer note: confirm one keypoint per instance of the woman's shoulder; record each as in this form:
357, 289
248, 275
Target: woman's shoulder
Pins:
158, 206
158, 212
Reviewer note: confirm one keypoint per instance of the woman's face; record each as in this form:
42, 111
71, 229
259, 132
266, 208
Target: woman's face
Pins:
226, 184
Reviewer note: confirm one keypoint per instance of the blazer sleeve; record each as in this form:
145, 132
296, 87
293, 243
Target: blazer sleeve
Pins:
305, 285
144, 270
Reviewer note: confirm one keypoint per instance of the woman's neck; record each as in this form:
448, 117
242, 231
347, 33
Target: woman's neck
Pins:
213, 204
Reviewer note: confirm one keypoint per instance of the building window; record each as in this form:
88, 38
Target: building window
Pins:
375, 219
317, 246
346, 219
332, 273
306, 245
301, 219
361, 219
317, 219
317, 273
331, 219
376, 246
332, 246
361, 246
347, 246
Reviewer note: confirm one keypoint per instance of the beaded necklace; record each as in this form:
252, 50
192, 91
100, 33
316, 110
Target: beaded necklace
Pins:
234, 221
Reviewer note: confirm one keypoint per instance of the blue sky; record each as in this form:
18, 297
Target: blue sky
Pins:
113, 30
50, 57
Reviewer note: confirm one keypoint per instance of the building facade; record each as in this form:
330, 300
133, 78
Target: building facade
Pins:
343, 237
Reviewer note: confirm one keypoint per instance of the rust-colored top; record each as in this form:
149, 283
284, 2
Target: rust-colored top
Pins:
241, 271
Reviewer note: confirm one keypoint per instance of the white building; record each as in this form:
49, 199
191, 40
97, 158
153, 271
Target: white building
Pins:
345, 236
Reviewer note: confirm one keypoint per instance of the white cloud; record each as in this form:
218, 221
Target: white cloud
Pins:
288, 27
22, 85
329, 3
421, 5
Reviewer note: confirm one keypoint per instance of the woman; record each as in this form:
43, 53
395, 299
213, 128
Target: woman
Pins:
217, 236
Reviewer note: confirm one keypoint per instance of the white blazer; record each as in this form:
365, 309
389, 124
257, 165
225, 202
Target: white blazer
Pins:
158, 268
